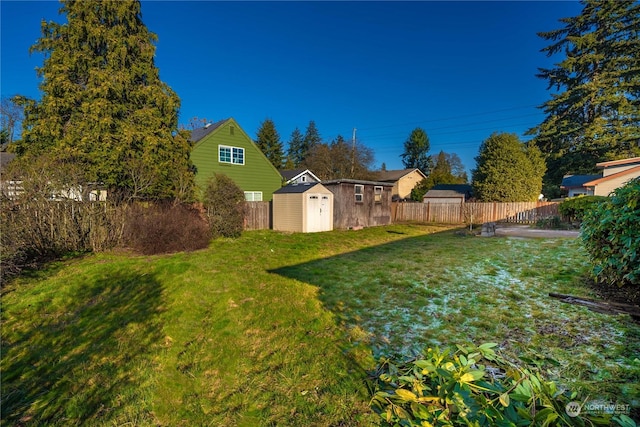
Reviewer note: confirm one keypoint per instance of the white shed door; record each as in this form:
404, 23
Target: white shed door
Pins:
318, 218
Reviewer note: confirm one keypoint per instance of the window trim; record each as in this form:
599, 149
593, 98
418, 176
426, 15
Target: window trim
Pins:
359, 195
233, 154
253, 194
377, 193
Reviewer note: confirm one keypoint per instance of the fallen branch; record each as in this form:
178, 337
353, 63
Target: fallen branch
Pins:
600, 306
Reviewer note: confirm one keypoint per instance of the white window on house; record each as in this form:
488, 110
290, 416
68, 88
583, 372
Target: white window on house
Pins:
233, 155
377, 194
253, 196
303, 178
359, 190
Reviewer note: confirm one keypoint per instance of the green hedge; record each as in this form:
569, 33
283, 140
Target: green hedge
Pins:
574, 208
611, 235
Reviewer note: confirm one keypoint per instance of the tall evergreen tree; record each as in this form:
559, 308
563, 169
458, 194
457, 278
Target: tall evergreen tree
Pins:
268, 140
296, 154
416, 151
103, 105
508, 170
594, 114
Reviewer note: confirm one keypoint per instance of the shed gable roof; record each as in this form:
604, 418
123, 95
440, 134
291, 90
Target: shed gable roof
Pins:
296, 188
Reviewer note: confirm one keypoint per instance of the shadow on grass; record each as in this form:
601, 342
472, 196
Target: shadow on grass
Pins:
80, 362
371, 287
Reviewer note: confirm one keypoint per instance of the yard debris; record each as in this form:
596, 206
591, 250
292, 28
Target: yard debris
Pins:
606, 307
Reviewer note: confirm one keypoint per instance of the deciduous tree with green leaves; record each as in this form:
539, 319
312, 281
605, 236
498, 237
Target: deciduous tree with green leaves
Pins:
268, 140
594, 113
507, 170
416, 151
103, 105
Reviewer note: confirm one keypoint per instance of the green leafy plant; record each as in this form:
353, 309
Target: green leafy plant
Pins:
575, 208
610, 235
470, 386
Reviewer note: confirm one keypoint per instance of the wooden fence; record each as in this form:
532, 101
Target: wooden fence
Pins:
476, 213
257, 216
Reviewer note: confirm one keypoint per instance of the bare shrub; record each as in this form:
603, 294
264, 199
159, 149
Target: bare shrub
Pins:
156, 228
225, 206
42, 216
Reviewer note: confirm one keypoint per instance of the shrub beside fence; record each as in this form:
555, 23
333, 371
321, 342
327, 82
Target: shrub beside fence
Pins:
475, 213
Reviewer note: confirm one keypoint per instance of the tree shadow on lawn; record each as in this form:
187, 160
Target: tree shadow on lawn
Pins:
378, 282
472, 290
78, 363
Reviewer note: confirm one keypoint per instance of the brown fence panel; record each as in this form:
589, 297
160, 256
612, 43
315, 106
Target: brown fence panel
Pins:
477, 213
257, 216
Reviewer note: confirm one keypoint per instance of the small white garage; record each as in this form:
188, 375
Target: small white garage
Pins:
303, 208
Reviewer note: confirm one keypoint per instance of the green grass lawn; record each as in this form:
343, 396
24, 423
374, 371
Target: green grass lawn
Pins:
279, 329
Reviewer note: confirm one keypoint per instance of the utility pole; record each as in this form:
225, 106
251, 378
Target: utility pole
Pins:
353, 152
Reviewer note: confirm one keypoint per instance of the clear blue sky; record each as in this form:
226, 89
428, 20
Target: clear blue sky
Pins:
460, 70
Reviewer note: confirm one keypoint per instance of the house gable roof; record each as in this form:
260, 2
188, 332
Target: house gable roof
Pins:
620, 162
572, 181
449, 190
395, 175
292, 174
198, 134
635, 170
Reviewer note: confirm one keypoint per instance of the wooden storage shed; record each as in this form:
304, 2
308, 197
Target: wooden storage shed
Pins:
303, 208
360, 203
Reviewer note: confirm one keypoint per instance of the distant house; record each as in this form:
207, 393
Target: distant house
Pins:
448, 193
225, 148
92, 192
615, 174
403, 181
303, 208
574, 184
298, 176
359, 203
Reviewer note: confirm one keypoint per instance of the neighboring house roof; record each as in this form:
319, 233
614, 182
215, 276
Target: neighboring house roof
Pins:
395, 175
600, 180
296, 188
293, 174
449, 190
5, 159
198, 134
572, 181
356, 181
618, 162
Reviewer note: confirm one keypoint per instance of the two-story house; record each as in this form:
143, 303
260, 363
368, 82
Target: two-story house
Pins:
223, 147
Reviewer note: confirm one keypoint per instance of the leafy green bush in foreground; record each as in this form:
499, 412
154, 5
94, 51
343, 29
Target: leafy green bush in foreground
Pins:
474, 386
611, 235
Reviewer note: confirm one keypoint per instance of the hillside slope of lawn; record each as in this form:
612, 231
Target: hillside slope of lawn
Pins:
278, 329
